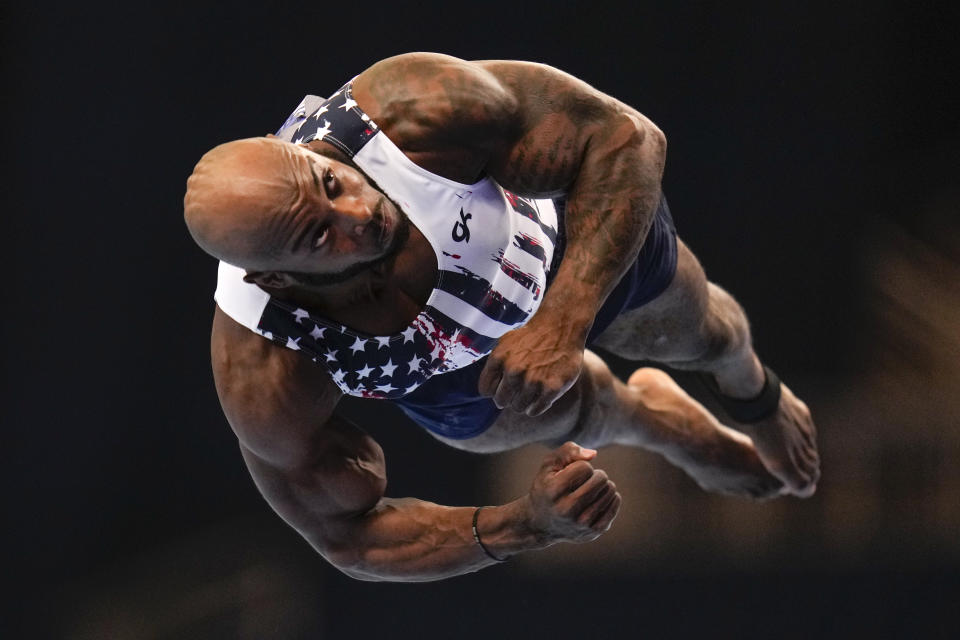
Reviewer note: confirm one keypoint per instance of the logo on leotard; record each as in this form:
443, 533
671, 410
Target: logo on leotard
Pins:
460, 231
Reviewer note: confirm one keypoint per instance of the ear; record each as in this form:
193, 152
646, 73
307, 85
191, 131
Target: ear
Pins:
269, 279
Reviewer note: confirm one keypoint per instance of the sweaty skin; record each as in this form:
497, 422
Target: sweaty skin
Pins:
297, 221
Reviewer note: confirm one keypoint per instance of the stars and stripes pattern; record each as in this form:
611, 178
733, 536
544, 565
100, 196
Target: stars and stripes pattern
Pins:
373, 366
490, 281
336, 120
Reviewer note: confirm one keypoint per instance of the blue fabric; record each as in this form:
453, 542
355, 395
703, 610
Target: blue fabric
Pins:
449, 405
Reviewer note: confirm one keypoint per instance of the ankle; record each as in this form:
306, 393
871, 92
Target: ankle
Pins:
742, 381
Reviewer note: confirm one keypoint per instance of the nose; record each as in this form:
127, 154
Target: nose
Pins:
356, 215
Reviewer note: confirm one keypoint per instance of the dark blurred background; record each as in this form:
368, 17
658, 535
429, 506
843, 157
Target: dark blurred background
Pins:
813, 167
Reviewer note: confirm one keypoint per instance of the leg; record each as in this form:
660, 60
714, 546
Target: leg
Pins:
650, 411
696, 325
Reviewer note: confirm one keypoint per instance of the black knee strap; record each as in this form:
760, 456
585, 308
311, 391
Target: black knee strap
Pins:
763, 406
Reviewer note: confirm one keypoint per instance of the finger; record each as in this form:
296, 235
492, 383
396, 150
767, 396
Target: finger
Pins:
545, 401
528, 395
270, 135
490, 377
588, 492
606, 518
510, 385
565, 454
540, 407
569, 479
595, 511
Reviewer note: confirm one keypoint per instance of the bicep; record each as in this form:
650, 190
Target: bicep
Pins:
344, 477
311, 466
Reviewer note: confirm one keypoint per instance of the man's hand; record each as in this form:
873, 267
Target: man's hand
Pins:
570, 501
531, 367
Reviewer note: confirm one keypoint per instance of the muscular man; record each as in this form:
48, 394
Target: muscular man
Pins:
450, 236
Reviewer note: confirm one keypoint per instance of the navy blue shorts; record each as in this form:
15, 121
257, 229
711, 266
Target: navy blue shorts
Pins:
449, 405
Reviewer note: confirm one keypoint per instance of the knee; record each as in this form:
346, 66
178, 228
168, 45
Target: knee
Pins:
591, 401
724, 330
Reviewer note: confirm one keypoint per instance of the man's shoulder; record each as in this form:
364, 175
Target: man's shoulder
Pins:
258, 380
414, 63
273, 398
405, 85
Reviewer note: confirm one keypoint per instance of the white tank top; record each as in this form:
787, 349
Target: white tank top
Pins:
493, 250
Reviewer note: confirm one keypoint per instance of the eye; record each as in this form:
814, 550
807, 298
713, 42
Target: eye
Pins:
321, 237
329, 183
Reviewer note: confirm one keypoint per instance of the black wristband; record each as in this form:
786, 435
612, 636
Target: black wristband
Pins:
753, 410
476, 536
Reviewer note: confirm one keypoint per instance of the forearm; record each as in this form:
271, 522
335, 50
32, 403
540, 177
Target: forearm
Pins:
409, 540
609, 211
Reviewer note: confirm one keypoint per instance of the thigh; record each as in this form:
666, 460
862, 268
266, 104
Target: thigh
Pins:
668, 328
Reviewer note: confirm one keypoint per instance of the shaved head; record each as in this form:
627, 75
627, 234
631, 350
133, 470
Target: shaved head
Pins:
291, 215
234, 191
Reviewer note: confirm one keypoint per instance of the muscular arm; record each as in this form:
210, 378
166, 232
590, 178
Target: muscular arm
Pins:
609, 160
326, 478
538, 132
603, 154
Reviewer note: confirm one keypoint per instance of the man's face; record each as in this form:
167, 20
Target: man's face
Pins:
337, 225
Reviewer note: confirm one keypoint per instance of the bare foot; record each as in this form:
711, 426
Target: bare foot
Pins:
787, 444
718, 458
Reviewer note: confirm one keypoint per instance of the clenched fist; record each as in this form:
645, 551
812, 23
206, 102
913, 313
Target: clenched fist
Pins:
531, 367
570, 501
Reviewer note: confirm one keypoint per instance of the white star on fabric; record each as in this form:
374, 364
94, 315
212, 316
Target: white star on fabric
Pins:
267, 335
323, 131
348, 104
299, 315
358, 345
414, 363
436, 352
322, 110
317, 333
385, 388
388, 368
338, 375
298, 140
408, 335
363, 373
384, 341
410, 389
292, 344
331, 355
